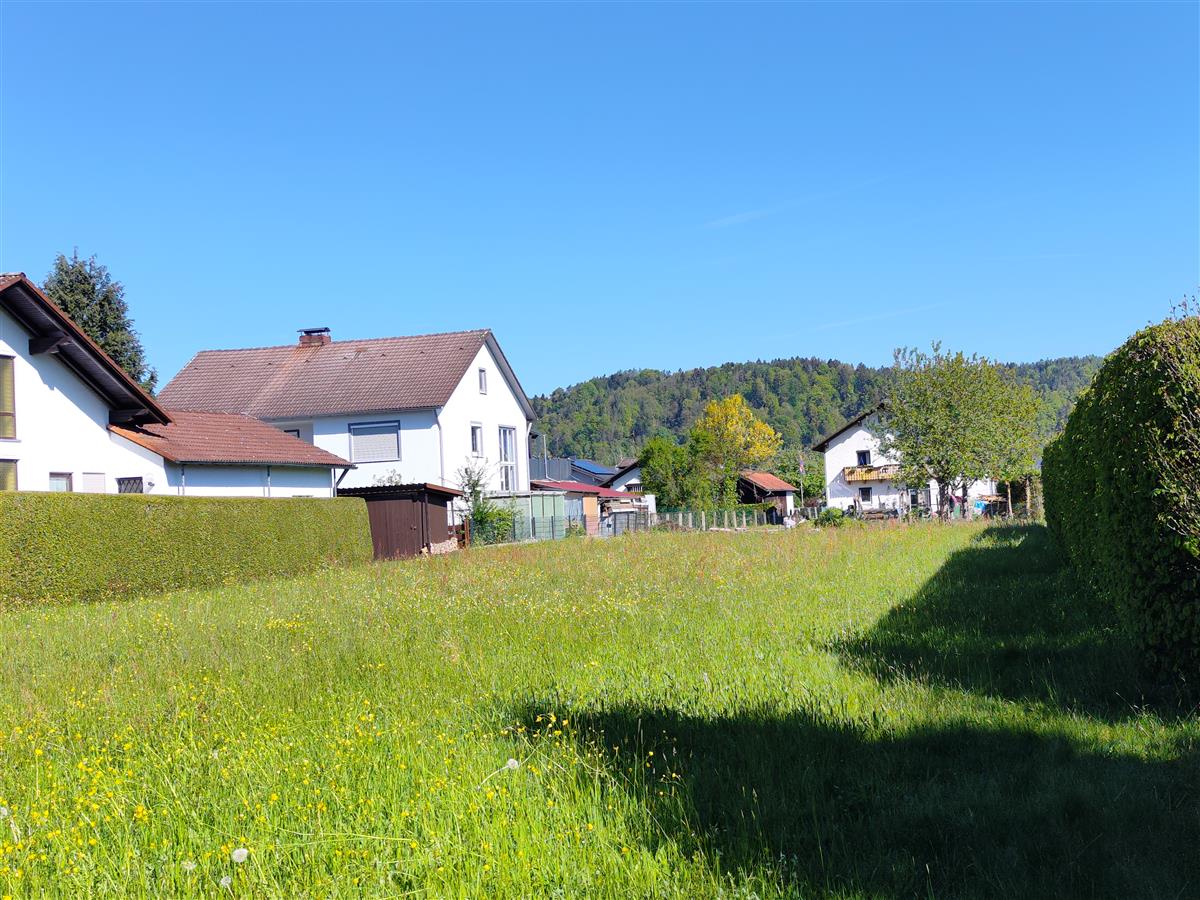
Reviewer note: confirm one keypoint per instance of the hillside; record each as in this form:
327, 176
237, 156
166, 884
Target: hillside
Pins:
612, 416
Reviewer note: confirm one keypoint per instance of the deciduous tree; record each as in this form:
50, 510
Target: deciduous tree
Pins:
956, 419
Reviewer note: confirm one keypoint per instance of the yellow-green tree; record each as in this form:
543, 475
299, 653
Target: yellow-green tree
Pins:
728, 438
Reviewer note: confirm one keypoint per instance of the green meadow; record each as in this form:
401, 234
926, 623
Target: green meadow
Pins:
931, 711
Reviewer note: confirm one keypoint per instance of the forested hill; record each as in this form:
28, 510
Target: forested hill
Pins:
612, 416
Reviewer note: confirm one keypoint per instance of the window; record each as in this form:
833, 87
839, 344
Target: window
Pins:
8, 401
476, 440
864, 494
60, 482
376, 442
508, 459
864, 457
483, 381
294, 432
93, 483
8, 474
914, 498
131, 486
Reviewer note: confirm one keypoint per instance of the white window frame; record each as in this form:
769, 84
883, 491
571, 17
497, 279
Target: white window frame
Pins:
482, 380
859, 454
350, 436
477, 439
508, 467
870, 498
70, 479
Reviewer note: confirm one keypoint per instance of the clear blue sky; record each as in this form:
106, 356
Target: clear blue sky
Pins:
614, 186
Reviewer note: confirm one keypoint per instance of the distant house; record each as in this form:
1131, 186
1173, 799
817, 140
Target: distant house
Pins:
627, 478
72, 420
859, 476
763, 487
413, 409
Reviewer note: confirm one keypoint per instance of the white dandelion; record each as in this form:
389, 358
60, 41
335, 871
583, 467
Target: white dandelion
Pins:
4, 812
226, 881
239, 855
512, 764
188, 865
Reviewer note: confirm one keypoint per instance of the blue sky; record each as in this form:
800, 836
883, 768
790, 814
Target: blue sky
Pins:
613, 186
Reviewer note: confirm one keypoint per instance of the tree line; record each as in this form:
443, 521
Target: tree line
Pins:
615, 416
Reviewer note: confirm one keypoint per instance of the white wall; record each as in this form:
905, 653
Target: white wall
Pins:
247, 481
623, 481
420, 458
843, 452
62, 424
498, 407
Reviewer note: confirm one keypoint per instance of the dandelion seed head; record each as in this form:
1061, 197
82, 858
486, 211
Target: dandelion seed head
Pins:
188, 865
511, 764
226, 881
4, 813
239, 855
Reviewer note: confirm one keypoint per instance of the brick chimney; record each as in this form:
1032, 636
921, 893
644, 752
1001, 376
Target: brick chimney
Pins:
314, 337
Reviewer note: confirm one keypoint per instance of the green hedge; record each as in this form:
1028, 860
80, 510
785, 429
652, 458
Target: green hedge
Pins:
1122, 491
90, 546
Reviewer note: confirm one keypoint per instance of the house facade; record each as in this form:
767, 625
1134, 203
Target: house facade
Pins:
72, 420
858, 475
403, 409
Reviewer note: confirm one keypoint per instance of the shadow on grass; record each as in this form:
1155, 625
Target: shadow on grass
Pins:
957, 807
1006, 619
814, 807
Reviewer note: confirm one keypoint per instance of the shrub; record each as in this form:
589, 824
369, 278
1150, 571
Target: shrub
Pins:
830, 517
90, 546
1122, 491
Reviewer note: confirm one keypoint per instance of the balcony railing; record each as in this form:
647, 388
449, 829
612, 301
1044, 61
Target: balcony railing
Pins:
870, 473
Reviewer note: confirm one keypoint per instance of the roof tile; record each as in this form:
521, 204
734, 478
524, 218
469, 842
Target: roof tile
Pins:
294, 381
225, 439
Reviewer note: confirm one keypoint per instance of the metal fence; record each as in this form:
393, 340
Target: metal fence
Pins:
553, 528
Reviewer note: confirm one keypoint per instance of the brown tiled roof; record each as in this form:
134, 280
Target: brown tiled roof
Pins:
225, 439
765, 481
296, 381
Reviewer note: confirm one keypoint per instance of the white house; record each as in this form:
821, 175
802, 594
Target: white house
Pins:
72, 420
410, 409
858, 475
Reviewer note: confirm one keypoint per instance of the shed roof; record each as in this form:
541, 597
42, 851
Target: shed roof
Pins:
224, 439
384, 491
302, 380
579, 487
765, 481
58, 334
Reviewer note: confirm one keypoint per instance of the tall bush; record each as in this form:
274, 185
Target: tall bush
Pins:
92, 546
1122, 490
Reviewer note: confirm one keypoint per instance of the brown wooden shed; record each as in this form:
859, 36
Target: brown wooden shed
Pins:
407, 519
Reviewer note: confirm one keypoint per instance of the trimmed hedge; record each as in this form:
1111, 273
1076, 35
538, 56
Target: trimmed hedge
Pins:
92, 546
1122, 491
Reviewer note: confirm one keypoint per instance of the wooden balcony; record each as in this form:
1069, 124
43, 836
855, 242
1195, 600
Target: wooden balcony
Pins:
870, 473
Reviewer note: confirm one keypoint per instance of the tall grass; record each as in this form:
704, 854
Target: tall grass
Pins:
928, 710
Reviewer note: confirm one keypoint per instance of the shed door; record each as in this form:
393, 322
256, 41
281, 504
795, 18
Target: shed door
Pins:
395, 527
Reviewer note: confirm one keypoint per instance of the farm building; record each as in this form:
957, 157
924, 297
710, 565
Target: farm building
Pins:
763, 487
